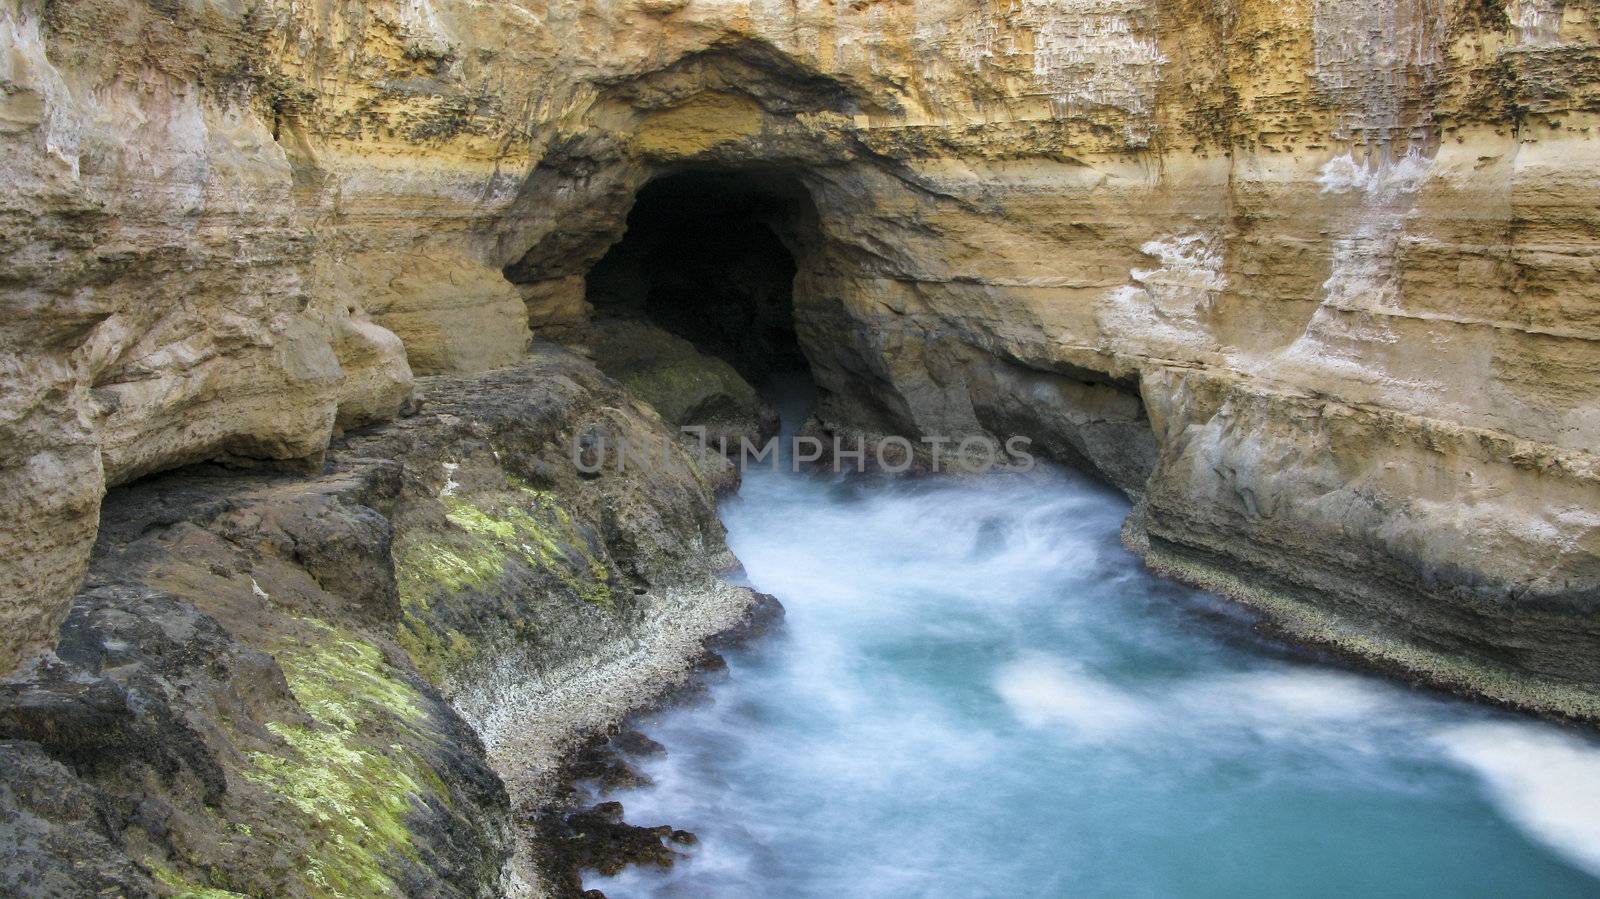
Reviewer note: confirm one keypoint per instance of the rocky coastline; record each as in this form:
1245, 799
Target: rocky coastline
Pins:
363, 681
1313, 284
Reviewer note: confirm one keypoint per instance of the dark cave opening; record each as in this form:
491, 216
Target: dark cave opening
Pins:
710, 256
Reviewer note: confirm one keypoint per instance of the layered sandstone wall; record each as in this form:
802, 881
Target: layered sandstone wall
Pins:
1314, 279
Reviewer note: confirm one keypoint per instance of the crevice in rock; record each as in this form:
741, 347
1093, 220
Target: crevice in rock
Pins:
1093, 422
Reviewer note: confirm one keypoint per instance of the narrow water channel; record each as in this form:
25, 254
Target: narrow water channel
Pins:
981, 693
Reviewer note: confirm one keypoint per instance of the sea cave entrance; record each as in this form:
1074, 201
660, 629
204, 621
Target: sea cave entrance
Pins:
694, 308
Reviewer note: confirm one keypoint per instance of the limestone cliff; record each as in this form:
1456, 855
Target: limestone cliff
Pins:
1315, 280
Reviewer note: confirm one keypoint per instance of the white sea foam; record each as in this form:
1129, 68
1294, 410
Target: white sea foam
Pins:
1546, 782
1298, 706
1299, 695
1046, 692
974, 687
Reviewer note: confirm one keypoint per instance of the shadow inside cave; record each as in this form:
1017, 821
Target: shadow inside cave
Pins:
710, 256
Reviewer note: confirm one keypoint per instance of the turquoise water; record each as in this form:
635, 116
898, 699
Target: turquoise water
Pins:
979, 692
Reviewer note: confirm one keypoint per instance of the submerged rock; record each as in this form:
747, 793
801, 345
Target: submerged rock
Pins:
763, 619
598, 839
632, 742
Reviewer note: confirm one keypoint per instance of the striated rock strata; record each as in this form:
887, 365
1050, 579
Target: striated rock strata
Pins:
1313, 280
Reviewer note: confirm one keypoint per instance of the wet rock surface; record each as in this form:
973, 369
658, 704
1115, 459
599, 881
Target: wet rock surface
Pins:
598, 839
583, 835
763, 620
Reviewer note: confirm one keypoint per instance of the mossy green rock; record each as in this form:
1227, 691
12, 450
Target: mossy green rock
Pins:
275, 684
687, 387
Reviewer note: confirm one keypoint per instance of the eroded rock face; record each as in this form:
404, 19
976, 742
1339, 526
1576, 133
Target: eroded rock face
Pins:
1337, 259
1301, 276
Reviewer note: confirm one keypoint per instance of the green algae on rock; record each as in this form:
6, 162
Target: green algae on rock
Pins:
186, 889
355, 794
542, 533
488, 544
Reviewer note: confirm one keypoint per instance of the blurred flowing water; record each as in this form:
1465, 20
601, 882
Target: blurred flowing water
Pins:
979, 692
